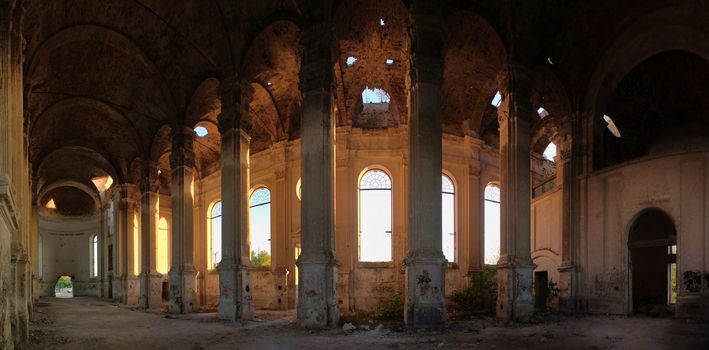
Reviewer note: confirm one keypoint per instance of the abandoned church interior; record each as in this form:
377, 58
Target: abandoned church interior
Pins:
321, 158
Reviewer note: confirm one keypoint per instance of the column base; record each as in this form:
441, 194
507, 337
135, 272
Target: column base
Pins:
514, 292
317, 292
132, 290
425, 306
694, 305
182, 290
152, 297
236, 301
568, 289
281, 284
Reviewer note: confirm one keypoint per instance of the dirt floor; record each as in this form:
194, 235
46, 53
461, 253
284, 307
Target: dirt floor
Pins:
91, 323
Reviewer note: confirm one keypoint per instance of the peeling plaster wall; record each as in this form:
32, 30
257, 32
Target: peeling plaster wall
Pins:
66, 243
546, 215
678, 185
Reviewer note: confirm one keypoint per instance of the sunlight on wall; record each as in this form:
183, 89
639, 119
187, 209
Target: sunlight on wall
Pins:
161, 242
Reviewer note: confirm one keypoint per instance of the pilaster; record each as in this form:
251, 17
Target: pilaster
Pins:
150, 279
425, 262
128, 244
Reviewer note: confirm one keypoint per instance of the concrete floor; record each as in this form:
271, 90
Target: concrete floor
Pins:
91, 323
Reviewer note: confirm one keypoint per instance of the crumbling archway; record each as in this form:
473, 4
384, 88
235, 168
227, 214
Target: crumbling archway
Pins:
652, 248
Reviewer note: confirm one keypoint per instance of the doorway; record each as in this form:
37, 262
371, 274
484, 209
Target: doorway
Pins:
541, 290
652, 244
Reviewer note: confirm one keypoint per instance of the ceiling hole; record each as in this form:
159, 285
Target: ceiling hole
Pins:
201, 131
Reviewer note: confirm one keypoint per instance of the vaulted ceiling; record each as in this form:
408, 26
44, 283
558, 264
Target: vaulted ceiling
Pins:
107, 81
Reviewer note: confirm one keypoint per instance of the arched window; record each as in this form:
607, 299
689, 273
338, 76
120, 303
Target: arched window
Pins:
550, 152
298, 189
136, 245
215, 227
260, 207
492, 224
375, 208
94, 256
161, 242
448, 218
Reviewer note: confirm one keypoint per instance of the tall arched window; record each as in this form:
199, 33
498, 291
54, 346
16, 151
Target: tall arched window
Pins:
94, 256
260, 206
448, 218
492, 224
215, 227
136, 245
375, 235
161, 242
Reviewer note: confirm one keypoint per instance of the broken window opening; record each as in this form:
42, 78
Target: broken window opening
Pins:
94, 256
496, 100
550, 152
375, 96
351, 60
201, 131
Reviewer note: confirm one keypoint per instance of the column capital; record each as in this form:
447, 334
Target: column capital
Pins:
316, 72
427, 43
128, 196
235, 95
515, 85
150, 181
182, 152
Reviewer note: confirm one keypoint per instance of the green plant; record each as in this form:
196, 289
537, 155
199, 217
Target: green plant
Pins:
64, 282
480, 297
393, 309
262, 258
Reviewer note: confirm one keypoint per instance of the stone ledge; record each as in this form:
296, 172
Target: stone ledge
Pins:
8, 205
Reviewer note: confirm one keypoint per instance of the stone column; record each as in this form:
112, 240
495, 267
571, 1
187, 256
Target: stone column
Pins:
128, 206
235, 286
514, 276
182, 272
425, 262
317, 264
150, 279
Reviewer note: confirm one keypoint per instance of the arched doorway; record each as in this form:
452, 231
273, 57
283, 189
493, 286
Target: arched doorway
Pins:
653, 254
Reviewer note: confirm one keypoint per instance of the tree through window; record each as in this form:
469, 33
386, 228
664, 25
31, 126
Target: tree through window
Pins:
260, 207
375, 210
448, 218
492, 224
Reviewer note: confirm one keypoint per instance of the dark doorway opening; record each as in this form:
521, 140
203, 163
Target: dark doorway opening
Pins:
541, 290
165, 291
653, 254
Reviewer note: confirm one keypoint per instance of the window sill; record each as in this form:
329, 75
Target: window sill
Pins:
374, 265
